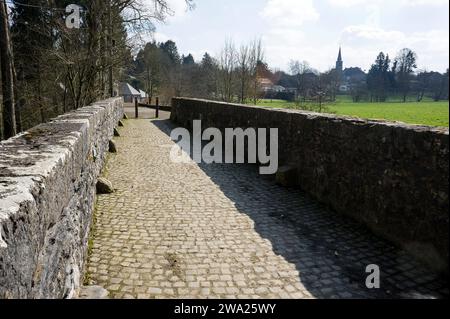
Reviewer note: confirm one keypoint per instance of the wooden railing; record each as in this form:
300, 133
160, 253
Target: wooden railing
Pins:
156, 107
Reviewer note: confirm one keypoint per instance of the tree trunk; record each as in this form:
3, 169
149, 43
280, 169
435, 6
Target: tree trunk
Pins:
40, 98
110, 50
149, 84
19, 102
6, 57
255, 92
150, 94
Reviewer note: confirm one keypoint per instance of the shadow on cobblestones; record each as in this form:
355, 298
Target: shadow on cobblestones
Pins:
330, 251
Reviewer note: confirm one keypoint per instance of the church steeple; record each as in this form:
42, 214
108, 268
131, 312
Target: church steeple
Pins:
340, 62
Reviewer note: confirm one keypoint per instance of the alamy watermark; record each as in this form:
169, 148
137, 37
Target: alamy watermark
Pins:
73, 19
258, 141
373, 281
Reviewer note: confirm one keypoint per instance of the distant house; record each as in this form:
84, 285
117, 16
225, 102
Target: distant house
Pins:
267, 85
278, 89
354, 75
350, 77
144, 95
128, 92
344, 88
291, 90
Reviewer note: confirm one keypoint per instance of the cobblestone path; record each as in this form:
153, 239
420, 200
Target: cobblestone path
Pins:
221, 231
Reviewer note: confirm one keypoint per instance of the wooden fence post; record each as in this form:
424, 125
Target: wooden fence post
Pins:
136, 107
157, 107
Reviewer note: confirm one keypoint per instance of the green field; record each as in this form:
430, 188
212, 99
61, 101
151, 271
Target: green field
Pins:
423, 113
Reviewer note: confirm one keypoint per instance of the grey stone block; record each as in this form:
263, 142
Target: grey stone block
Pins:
112, 146
47, 194
104, 186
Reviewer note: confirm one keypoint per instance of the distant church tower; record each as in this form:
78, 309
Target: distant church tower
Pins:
339, 62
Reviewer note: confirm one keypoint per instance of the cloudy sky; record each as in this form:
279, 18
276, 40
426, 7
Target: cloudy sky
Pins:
312, 30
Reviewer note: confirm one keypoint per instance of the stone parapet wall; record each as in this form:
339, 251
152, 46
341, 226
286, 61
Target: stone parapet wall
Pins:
47, 193
392, 177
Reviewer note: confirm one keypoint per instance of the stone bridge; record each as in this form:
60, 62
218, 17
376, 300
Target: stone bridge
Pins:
212, 231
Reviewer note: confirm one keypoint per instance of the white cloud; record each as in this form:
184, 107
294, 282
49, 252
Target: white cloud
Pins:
346, 3
369, 33
303, 30
284, 38
362, 43
179, 8
289, 13
162, 37
425, 2
411, 3
283, 45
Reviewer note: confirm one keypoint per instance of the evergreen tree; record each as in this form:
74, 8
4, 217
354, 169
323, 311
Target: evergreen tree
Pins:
188, 60
208, 87
170, 49
378, 81
33, 44
58, 68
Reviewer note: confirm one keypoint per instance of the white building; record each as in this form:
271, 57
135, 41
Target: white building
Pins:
144, 95
128, 92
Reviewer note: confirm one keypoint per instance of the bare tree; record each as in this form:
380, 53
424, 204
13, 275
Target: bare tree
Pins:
61, 69
244, 64
7, 66
300, 70
256, 60
227, 65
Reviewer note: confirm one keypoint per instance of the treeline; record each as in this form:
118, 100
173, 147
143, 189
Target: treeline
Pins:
398, 78
49, 68
236, 74
240, 74
232, 76
387, 79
